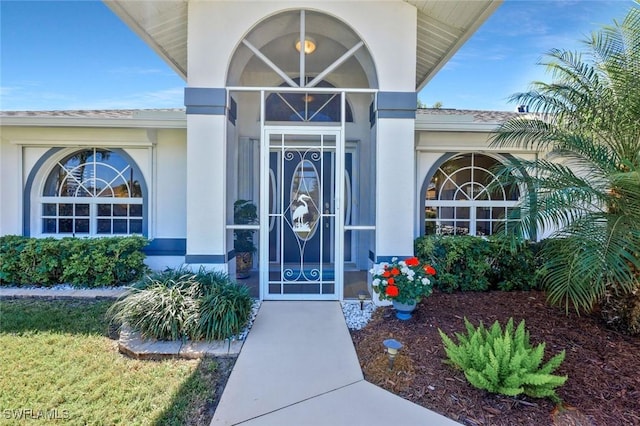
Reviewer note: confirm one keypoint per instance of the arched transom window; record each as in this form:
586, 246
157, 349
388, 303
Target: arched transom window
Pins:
465, 198
93, 192
308, 107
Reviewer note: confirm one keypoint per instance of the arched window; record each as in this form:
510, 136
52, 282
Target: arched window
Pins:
307, 107
464, 198
93, 192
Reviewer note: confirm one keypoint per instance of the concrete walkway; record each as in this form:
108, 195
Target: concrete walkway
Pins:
298, 367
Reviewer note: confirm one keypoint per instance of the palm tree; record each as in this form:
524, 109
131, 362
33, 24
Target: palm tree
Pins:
585, 186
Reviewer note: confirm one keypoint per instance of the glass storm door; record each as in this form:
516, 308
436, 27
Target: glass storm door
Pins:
304, 226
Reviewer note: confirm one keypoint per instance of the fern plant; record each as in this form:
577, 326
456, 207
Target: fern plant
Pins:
504, 362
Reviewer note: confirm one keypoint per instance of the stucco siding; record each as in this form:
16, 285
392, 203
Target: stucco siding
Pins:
169, 185
29, 153
387, 28
10, 188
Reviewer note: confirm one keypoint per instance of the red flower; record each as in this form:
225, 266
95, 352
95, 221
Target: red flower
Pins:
391, 281
386, 273
429, 270
395, 272
392, 291
412, 261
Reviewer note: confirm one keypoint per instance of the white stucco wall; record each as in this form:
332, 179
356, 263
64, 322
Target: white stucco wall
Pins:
387, 28
160, 155
206, 184
10, 187
169, 185
395, 183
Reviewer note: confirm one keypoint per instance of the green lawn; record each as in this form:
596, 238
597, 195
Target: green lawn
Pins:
57, 361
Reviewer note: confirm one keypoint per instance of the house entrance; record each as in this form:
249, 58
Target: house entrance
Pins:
302, 206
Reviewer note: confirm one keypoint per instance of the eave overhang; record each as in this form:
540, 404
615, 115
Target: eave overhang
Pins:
442, 28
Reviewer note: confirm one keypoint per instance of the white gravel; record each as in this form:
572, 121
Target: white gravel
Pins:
252, 316
356, 319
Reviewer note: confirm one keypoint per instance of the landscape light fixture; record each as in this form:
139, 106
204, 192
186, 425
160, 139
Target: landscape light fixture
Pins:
392, 347
362, 296
309, 45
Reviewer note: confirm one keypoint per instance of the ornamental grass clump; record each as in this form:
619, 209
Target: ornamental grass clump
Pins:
181, 305
224, 311
163, 310
504, 362
405, 281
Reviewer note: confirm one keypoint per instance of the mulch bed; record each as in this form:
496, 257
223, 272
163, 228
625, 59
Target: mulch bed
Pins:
603, 366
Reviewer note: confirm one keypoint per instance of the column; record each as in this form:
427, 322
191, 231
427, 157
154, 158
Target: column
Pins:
395, 202
206, 178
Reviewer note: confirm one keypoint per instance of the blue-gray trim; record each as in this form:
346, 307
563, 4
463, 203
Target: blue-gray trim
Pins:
425, 185
396, 114
205, 110
26, 195
397, 100
205, 258
205, 100
396, 104
166, 247
388, 259
178, 247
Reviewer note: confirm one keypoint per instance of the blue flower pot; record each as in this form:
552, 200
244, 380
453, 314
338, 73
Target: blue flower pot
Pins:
404, 310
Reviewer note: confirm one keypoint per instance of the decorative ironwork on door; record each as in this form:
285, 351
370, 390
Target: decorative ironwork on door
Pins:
302, 215
304, 196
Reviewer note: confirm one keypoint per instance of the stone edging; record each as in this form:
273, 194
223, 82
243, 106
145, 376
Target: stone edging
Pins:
131, 344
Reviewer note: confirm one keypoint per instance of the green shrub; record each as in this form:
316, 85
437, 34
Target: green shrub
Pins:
514, 264
461, 261
504, 363
77, 261
477, 264
10, 248
179, 304
30, 261
104, 261
41, 262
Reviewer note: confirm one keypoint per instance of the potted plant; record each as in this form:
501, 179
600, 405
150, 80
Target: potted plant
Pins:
244, 213
404, 283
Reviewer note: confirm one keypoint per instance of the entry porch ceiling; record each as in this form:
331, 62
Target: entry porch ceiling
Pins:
442, 28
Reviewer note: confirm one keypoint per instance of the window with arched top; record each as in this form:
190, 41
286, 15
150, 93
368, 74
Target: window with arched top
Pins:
306, 107
464, 197
93, 192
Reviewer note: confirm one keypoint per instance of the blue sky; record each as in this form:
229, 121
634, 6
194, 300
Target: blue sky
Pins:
79, 55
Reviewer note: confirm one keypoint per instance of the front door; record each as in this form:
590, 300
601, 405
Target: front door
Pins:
302, 212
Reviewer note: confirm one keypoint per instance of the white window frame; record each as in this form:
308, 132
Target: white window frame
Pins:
472, 204
92, 201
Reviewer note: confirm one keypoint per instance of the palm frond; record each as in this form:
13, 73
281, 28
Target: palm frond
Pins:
584, 188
